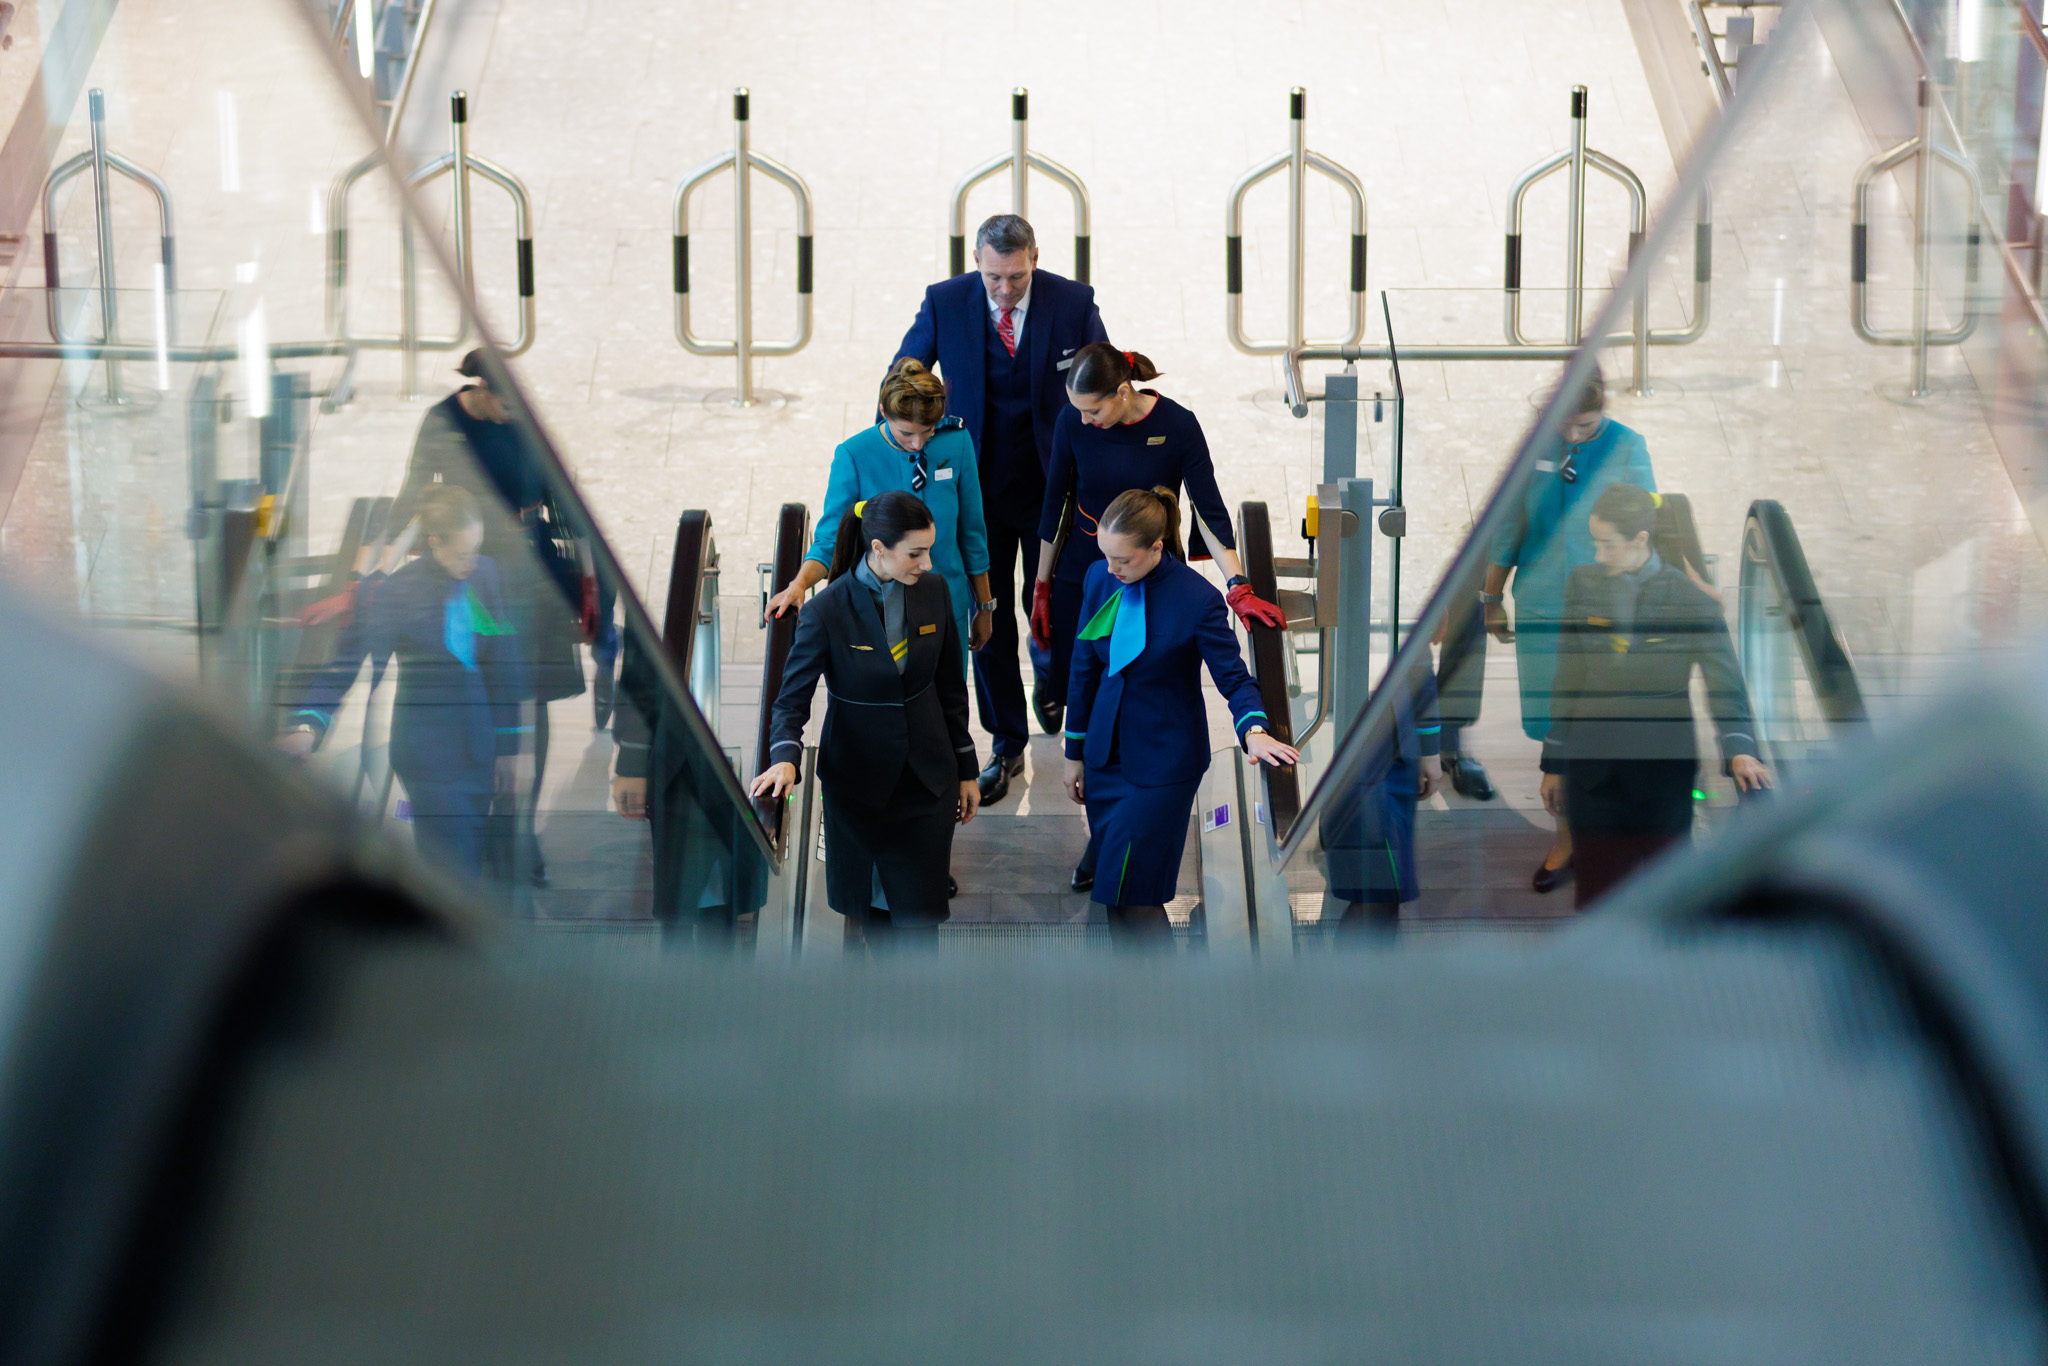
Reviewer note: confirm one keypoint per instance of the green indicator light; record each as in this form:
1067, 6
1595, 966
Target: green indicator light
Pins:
1698, 795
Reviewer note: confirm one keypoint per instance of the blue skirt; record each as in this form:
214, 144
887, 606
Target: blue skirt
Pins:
1141, 832
1369, 840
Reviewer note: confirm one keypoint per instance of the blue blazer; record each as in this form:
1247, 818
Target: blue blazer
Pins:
951, 331
1155, 702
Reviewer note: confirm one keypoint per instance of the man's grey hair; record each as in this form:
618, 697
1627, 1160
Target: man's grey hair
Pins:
1007, 233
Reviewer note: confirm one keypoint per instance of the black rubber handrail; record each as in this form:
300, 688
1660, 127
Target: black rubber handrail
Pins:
1770, 545
792, 535
1269, 662
686, 573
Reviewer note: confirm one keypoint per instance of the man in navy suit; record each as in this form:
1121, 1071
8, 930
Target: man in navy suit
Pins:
1003, 336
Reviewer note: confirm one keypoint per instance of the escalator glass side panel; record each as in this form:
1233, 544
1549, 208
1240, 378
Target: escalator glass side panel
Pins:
296, 473
1795, 545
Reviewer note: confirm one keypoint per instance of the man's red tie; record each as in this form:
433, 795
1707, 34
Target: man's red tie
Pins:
1007, 331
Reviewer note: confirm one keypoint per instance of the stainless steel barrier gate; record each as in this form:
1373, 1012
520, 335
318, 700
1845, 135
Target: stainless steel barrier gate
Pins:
1019, 161
1641, 336
742, 347
101, 160
460, 163
1297, 161
1924, 149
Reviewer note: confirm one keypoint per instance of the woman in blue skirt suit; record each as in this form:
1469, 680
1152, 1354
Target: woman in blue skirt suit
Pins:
1137, 732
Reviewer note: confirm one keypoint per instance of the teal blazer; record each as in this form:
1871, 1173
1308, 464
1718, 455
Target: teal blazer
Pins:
869, 463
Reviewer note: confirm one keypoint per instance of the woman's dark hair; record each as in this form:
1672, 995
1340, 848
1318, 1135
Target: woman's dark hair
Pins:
1147, 516
886, 517
1628, 509
1099, 368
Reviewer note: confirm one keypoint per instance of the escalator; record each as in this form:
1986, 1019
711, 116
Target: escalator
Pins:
289, 1072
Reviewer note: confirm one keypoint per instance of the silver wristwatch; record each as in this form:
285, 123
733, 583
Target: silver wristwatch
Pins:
1491, 599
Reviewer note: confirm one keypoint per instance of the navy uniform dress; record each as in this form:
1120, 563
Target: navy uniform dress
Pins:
1368, 833
462, 675
896, 746
1135, 716
1093, 466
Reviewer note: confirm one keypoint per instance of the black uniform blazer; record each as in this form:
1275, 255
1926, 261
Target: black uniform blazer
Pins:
1625, 692
878, 722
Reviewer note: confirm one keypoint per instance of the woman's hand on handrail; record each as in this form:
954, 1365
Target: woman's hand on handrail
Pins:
776, 780
1264, 749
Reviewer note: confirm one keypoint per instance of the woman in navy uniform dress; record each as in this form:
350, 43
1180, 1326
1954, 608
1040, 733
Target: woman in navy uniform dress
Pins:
1114, 436
896, 763
1137, 732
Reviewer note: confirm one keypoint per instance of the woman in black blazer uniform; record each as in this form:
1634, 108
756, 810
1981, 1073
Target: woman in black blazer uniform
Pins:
896, 764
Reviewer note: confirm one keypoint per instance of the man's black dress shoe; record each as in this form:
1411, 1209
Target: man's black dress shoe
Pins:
1083, 880
1468, 779
1048, 708
995, 779
1549, 879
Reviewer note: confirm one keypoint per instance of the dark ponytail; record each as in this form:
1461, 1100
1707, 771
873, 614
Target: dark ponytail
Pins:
886, 517
1147, 516
1099, 368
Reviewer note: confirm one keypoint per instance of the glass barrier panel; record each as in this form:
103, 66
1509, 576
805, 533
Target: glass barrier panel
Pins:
302, 480
1653, 666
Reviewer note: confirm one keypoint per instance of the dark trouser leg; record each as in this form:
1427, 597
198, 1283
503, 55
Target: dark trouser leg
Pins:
710, 930
1461, 672
998, 678
879, 933
537, 864
1368, 919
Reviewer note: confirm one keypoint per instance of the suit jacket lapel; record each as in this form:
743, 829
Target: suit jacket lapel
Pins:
965, 389
1038, 339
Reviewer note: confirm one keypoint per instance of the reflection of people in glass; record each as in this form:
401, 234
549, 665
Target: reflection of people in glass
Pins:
469, 440
896, 762
1620, 757
1368, 834
456, 728
1137, 730
1541, 545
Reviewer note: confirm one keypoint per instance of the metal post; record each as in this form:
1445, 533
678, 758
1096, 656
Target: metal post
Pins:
1297, 161
458, 191
1923, 237
1297, 204
103, 215
1575, 225
412, 69
742, 254
1019, 161
743, 160
409, 304
1020, 152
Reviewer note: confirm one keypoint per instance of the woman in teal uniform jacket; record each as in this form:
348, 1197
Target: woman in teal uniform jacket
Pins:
1541, 545
918, 449
1137, 730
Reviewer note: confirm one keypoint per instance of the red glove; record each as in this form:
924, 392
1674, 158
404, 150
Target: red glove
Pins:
1041, 615
340, 607
1252, 609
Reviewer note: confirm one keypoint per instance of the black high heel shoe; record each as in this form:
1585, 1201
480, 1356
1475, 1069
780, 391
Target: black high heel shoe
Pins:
1549, 879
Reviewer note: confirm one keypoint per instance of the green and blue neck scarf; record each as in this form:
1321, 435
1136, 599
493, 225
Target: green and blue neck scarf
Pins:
464, 620
1120, 621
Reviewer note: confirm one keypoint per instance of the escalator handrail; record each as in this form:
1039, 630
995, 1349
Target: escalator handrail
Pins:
687, 567
1269, 662
792, 536
1770, 545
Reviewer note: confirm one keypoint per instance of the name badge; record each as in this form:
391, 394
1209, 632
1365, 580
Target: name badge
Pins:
1155, 441
1066, 364
869, 648
927, 629
943, 472
1599, 621
1547, 466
